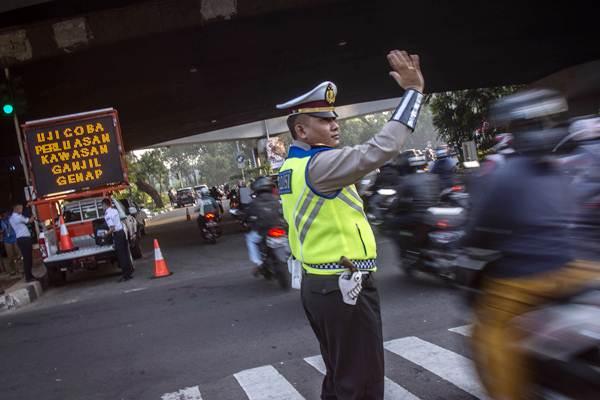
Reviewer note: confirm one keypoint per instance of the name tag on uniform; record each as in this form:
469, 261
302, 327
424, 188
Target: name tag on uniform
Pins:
284, 182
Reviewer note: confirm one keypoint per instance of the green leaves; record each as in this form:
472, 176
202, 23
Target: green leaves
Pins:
457, 115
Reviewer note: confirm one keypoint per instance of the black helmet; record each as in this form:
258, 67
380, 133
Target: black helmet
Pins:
262, 184
527, 114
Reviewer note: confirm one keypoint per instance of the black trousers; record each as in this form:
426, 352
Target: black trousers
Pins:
123, 256
350, 338
26, 247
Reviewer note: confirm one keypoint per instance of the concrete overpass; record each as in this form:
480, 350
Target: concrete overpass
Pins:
175, 68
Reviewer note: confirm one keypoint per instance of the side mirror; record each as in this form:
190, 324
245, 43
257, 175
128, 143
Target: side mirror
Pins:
133, 210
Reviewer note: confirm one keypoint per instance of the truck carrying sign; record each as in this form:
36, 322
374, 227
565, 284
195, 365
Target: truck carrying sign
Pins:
75, 153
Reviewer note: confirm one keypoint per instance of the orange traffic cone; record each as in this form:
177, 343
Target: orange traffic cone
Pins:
160, 265
66, 244
187, 214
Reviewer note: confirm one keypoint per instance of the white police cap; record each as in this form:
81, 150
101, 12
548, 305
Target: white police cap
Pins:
318, 102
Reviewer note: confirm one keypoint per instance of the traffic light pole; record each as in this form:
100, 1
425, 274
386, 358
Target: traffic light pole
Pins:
18, 132
23, 159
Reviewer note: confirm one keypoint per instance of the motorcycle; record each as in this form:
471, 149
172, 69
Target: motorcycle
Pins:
379, 203
209, 227
433, 246
275, 252
561, 339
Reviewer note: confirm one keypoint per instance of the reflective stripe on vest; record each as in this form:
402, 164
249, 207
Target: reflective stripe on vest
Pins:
323, 228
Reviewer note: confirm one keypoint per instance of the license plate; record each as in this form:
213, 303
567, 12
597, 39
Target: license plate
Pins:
211, 224
277, 242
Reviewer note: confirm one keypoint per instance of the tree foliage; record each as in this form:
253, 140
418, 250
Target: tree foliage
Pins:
360, 129
461, 115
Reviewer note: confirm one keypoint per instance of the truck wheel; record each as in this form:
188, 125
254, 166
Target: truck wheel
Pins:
136, 250
56, 277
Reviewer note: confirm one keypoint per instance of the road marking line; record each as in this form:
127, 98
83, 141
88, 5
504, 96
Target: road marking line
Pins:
464, 330
190, 393
134, 290
266, 383
392, 391
446, 364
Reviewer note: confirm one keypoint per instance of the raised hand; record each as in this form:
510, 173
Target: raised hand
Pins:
406, 70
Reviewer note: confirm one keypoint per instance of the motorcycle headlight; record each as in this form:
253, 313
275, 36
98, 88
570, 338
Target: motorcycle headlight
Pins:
386, 192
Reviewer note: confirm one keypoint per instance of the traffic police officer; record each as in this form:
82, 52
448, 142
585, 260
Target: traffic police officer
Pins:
327, 222
115, 228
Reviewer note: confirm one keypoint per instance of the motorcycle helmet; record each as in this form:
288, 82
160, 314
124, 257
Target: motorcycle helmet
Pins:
262, 184
204, 192
533, 117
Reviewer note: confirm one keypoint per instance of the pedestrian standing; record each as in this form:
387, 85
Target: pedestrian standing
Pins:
19, 222
9, 244
115, 228
327, 223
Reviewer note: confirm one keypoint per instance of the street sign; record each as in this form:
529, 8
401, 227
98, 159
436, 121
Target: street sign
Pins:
240, 160
469, 151
75, 153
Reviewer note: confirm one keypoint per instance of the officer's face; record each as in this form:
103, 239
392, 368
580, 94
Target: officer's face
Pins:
318, 131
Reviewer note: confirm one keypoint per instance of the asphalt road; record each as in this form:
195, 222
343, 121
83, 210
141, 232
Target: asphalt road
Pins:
209, 330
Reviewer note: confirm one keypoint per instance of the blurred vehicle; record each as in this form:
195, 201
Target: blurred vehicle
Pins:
185, 196
275, 251
561, 340
432, 247
208, 217
209, 227
132, 208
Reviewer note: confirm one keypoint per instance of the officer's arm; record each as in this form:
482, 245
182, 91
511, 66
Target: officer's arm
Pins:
330, 171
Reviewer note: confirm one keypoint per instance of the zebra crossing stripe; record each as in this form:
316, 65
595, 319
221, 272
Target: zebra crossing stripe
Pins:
464, 330
266, 383
190, 393
446, 364
392, 391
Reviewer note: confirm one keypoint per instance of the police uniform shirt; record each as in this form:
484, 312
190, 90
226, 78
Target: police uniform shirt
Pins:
332, 170
18, 223
113, 219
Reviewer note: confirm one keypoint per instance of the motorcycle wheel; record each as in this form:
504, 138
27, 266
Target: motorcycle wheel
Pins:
283, 276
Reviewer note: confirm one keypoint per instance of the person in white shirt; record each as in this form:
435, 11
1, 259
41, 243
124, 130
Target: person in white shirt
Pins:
19, 224
115, 228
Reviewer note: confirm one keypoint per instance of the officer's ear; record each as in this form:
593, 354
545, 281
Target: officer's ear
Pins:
300, 127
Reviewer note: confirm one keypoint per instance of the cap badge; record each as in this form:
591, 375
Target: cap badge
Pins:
329, 95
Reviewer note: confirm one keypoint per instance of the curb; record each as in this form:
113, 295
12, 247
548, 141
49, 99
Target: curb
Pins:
16, 298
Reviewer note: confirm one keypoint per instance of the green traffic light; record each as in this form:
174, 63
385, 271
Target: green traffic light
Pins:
7, 108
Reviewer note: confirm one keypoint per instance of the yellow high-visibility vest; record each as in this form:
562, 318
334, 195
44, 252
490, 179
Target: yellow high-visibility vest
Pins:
323, 228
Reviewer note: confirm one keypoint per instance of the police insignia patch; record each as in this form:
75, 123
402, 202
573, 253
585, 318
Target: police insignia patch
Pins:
284, 182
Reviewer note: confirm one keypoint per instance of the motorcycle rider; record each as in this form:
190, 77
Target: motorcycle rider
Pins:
388, 177
444, 166
264, 212
417, 191
217, 195
522, 212
206, 204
